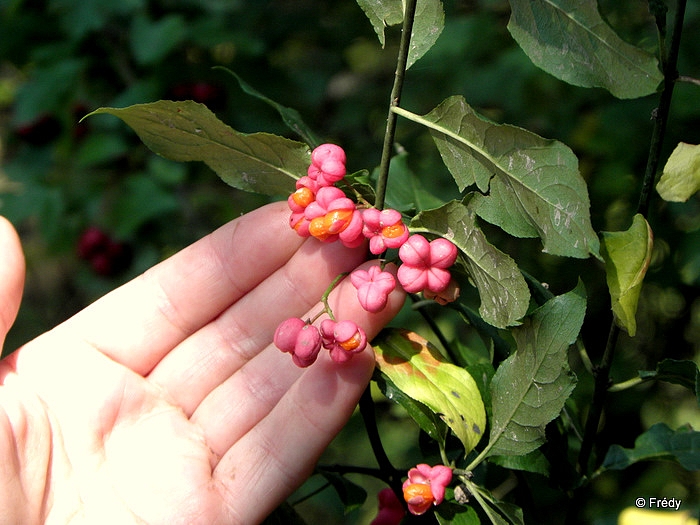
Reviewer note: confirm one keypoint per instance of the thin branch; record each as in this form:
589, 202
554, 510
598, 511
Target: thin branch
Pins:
390, 131
690, 80
388, 472
661, 115
602, 378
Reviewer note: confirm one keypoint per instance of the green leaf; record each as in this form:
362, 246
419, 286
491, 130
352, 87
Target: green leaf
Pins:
426, 419
502, 288
290, 116
361, 185
569, 40
681, 175
351, 495
678, 372
382, 14
498, 512
448, 513
533, 461
659, 442
406, 192
427, 26
188, 131
415, 367
627, 255
531, 386
531, 186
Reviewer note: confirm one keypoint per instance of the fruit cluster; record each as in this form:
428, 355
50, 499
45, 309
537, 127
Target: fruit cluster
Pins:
323, 211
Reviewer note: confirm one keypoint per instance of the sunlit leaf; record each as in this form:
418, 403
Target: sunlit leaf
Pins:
427, 25
502, 288
427, 420
570, 40
529, 186
530, 388
659, 442
681, 176
627, 255
415, 367
188, 131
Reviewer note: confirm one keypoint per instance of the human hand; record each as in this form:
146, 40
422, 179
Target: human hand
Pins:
165, 401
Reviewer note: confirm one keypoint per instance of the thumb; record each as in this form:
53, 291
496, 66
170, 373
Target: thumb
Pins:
11, 276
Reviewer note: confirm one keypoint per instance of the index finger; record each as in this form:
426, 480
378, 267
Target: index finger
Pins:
138, 323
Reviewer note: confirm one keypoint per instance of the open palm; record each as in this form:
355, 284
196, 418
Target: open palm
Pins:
165, 402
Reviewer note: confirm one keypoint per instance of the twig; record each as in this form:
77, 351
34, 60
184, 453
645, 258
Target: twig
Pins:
661, 115
690, 80
390, 131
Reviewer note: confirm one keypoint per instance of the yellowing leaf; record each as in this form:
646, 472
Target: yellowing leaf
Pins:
681, 176
627, 255
419, 371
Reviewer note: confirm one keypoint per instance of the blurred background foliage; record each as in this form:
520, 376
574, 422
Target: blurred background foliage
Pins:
94, 207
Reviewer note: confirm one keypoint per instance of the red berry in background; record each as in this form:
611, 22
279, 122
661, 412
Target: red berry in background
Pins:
40, 131
206, 93
101, 264
106, 256
203, 92
91, 242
